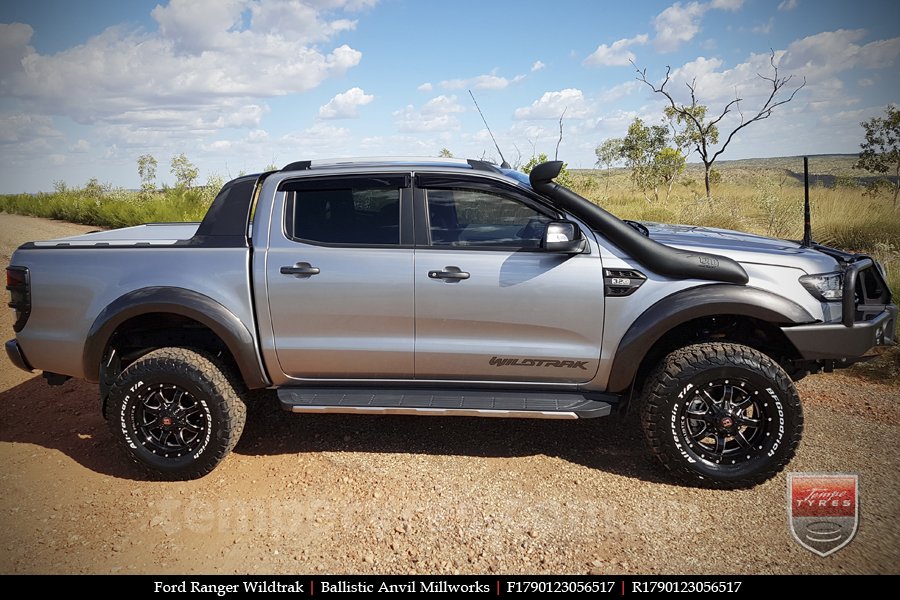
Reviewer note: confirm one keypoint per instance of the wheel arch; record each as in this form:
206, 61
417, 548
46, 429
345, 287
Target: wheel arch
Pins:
179, 302
681, 311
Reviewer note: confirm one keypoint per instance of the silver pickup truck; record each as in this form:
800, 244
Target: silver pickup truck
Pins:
443, 287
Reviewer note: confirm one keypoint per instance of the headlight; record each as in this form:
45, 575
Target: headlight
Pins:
828, 287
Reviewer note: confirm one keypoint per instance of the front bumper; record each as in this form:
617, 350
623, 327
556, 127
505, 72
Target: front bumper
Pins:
868, 317
14, 351
834, 341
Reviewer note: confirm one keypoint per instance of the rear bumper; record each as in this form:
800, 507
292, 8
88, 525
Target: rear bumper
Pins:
16, 356
834, 341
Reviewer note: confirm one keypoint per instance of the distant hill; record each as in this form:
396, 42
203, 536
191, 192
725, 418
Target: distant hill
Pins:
826, 164
823, 169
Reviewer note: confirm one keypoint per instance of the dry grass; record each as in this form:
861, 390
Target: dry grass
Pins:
765, 196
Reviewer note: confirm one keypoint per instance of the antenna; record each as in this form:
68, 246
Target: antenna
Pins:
504, 164
807, 227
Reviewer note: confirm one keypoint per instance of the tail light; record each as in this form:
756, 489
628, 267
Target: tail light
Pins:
19, 285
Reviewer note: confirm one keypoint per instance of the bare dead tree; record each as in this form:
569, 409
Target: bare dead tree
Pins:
533, 143
703, 131
517, 164
559, 141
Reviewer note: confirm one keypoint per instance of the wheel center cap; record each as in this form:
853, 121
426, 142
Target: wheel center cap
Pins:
726, 422
167, 421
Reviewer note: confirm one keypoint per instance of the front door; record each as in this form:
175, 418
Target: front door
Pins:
490, 304
339, 274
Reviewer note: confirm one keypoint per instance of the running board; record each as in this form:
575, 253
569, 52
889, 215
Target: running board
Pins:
447, 403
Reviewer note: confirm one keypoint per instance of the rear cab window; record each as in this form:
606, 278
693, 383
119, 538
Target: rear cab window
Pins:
347, 211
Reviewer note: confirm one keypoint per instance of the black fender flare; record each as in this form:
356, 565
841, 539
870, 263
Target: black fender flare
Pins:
694, 303
178, 301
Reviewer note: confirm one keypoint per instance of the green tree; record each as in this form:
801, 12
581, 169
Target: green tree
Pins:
640, 148
564, 178
146, 165
184, 171
608, 153
880, 152
701, 129
669, 164
445, 153
93, 188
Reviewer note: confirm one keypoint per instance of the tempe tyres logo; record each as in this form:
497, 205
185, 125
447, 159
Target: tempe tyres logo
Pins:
823, 510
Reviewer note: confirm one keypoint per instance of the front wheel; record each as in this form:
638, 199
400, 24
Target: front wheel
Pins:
177, 412
721, 415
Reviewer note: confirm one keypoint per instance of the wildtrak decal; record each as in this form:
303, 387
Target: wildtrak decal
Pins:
498, 361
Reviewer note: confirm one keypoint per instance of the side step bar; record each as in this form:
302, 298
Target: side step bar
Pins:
447, 403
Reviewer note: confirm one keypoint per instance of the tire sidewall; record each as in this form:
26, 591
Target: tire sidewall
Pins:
777, 406
126, 398
671, 388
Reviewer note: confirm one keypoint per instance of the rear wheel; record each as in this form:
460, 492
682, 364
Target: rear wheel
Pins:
177, 412
721, 415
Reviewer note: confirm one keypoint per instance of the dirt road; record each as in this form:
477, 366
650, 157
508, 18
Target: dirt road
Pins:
344, 494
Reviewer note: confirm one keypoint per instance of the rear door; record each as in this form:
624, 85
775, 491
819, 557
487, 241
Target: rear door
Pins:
339, 274
490, 304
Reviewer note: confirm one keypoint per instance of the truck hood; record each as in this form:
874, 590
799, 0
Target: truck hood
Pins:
742, 247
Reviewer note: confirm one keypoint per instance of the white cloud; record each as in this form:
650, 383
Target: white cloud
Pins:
616, 54
201, 68
619, 91
14, 38
681, 22
832, 52
866, 82
677, 24
319, 140
21, 128
425, 87
823, 59
218, 146
345, 105
552, 104
81, 146
438, 114
537, 66
727, 4
765, 28
786, 5
490, 81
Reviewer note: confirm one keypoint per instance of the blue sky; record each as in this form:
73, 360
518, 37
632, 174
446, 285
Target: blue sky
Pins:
87, 87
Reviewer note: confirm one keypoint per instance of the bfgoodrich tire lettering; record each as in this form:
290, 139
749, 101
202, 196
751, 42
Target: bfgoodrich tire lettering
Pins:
721, 415
177, 412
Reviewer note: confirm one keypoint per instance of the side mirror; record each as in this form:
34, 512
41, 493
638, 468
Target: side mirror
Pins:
563, 237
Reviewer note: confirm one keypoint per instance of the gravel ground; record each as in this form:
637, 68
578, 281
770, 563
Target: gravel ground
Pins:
344, 494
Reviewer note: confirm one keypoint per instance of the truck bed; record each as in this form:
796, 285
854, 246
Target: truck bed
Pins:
153, 234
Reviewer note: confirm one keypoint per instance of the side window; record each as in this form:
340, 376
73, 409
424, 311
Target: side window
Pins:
474, 218
345, 214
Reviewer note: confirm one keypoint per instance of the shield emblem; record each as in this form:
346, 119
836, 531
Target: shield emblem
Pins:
823, 510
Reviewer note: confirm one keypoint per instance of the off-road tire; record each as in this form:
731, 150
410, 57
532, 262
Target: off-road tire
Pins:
177, 412
687, 383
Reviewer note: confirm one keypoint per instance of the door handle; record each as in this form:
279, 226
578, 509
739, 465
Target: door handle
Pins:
301, 268
449, 273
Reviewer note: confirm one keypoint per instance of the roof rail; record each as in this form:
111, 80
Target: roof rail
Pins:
300, 165
483, 165
475, 164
